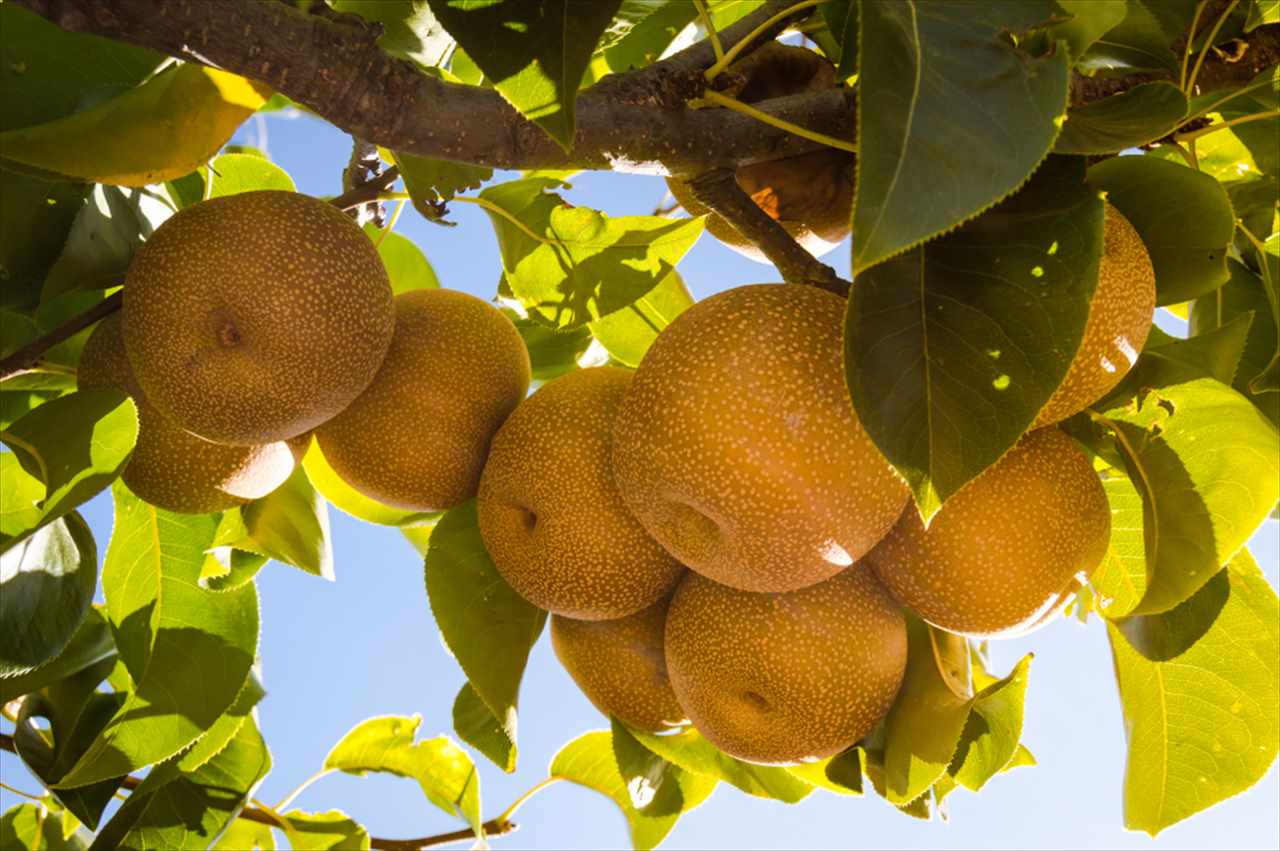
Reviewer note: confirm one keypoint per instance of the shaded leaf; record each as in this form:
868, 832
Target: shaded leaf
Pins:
589, 761
931, 73
107, 229
477, 726
1207, 465
953, 348
1139, 42
535, 52
30, 826
1216, 353
689, 750
444, 771
409, 30
181, 810
1090, 20
430, 181
159, 131
47, 582
841, 17
91, 644
76, 445
628, 333
841, 774
1183, 216
1133, 117
188, 651
1201, 711
652, 783
571, 265
486, 625
1242, 294
991, 733
35, 217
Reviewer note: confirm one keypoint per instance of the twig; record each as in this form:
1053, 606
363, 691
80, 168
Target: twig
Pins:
719, 191
499, 826
24, 358
363, 168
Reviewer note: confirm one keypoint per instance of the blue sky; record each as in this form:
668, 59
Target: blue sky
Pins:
336, 653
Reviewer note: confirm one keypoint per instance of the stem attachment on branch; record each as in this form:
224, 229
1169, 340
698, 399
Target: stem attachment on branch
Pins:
719, 191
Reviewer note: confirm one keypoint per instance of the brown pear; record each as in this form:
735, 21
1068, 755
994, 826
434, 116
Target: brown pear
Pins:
786, 678
170, 467
738, 449
621, 667
1008, 550
551, 515
418, 436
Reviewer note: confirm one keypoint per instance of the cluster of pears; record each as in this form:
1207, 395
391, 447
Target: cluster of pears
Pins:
810, 195
720, 543
253, 322
717, 538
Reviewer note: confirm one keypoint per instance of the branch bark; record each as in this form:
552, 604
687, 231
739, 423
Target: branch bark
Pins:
628, 122
719, 191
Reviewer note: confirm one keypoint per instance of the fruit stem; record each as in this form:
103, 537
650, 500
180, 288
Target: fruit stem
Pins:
1222, 125
795, 129
1208, 45
724, 60
711, 30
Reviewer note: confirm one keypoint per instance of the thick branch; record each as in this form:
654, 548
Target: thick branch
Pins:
630, 122
719, 191
24, 358
493, 827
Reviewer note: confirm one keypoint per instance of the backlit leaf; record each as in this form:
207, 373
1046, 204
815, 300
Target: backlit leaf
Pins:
328, 831
476, 725
91, 644
627, 333
689, 750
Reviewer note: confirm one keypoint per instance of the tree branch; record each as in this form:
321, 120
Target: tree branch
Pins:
628, 122
719, 191
25, 357
493, 827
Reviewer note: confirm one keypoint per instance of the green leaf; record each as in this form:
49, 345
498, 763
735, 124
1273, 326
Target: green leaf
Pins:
652, 783
328, 831
1138, 43
1262, 12
444, 771
35, 218
232, 174
841, 774
188, 651
349, 500
1134, 117
534, 52
582, 265
32, 827
46, 585
477, 726
932, 73
628, 333
91, 644
290, 525
409, 30
1183, 216
76, 445
589, 761
1216, 353
1197, 685
1090, 20
1121, 580
161, 130
653, 26
224, 730
689, 750
841, 17
407, 266
107, 229
991, 733
190, 809
430, 182
1207, 465
244, 835
931, 730
1242, 294
76, 714
953, 348
51, 73
486, 625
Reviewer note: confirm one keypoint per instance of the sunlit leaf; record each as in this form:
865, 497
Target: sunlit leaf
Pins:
689, 750
627, 333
